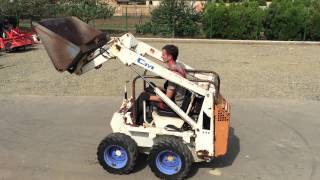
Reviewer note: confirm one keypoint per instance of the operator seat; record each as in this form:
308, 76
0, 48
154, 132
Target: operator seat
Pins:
170, 119
184, 107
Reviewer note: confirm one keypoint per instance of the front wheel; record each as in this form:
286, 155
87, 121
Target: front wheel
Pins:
117, 153
170, 158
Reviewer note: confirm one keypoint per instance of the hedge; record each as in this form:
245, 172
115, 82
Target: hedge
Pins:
236, 21
172, 18
286, 20
313, 22
282, 20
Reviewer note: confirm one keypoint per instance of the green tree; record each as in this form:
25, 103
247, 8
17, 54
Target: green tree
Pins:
7, 8
86, 10
25, 8
172, 18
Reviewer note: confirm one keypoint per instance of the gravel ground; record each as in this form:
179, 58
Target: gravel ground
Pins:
247, 71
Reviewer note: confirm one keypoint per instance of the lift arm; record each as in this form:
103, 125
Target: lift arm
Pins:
75, 46
117, 49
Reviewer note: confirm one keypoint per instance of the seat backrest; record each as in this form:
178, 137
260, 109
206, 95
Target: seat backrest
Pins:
184, 107
186, 100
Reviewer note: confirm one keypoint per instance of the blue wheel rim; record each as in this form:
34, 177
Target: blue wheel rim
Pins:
168, 162
115, 156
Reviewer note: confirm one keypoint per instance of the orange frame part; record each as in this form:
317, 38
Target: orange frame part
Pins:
221, 126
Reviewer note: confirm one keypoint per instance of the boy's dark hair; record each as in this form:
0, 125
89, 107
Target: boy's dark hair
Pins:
172, 50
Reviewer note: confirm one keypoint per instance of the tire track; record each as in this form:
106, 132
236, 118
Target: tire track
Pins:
304, 140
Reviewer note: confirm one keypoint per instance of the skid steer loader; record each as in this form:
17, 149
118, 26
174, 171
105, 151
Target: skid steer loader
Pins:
173, 139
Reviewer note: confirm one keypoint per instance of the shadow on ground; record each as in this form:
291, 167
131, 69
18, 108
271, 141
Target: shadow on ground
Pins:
23, 50
5, 66
224, 161
2, 53
141, 163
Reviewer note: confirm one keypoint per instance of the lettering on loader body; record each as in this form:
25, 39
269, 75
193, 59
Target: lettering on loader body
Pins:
145, 64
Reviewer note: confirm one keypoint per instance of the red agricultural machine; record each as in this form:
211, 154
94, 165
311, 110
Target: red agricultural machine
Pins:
12, 38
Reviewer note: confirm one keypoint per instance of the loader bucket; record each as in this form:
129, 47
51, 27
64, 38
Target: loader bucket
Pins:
68, 40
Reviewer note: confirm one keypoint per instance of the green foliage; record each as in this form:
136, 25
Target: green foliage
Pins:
226, 1
260, 2
286, 20
7, 8
31, 9
243, 19
24, 8
313, 23
236, 21
216, 18
86, 10
172, 18
283, 20
144, 28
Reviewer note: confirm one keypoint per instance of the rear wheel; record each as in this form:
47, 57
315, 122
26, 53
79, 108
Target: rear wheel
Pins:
117, 153
170, 158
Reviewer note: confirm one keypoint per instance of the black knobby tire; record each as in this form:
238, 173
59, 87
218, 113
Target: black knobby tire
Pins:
118, 140
176, 145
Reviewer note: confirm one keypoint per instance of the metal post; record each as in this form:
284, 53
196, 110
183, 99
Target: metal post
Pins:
140, 18
305, 25
144, 111
126, 19
211, 26
258, 27
172, 27
172, 32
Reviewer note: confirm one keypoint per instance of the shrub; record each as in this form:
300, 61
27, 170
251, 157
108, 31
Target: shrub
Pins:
228, 1
237, 21
313, 25
286, 20
144, 28
85, 10
172, 18
261, 2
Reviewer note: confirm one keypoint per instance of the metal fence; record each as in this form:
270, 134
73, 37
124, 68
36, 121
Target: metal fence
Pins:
125, 18
115, 23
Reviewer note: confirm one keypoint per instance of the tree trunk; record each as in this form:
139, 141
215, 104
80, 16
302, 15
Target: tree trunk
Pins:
30, 21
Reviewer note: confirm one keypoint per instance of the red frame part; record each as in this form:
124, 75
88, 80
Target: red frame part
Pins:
15, 38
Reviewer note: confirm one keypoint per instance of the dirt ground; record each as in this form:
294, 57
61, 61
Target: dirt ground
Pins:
247, 71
